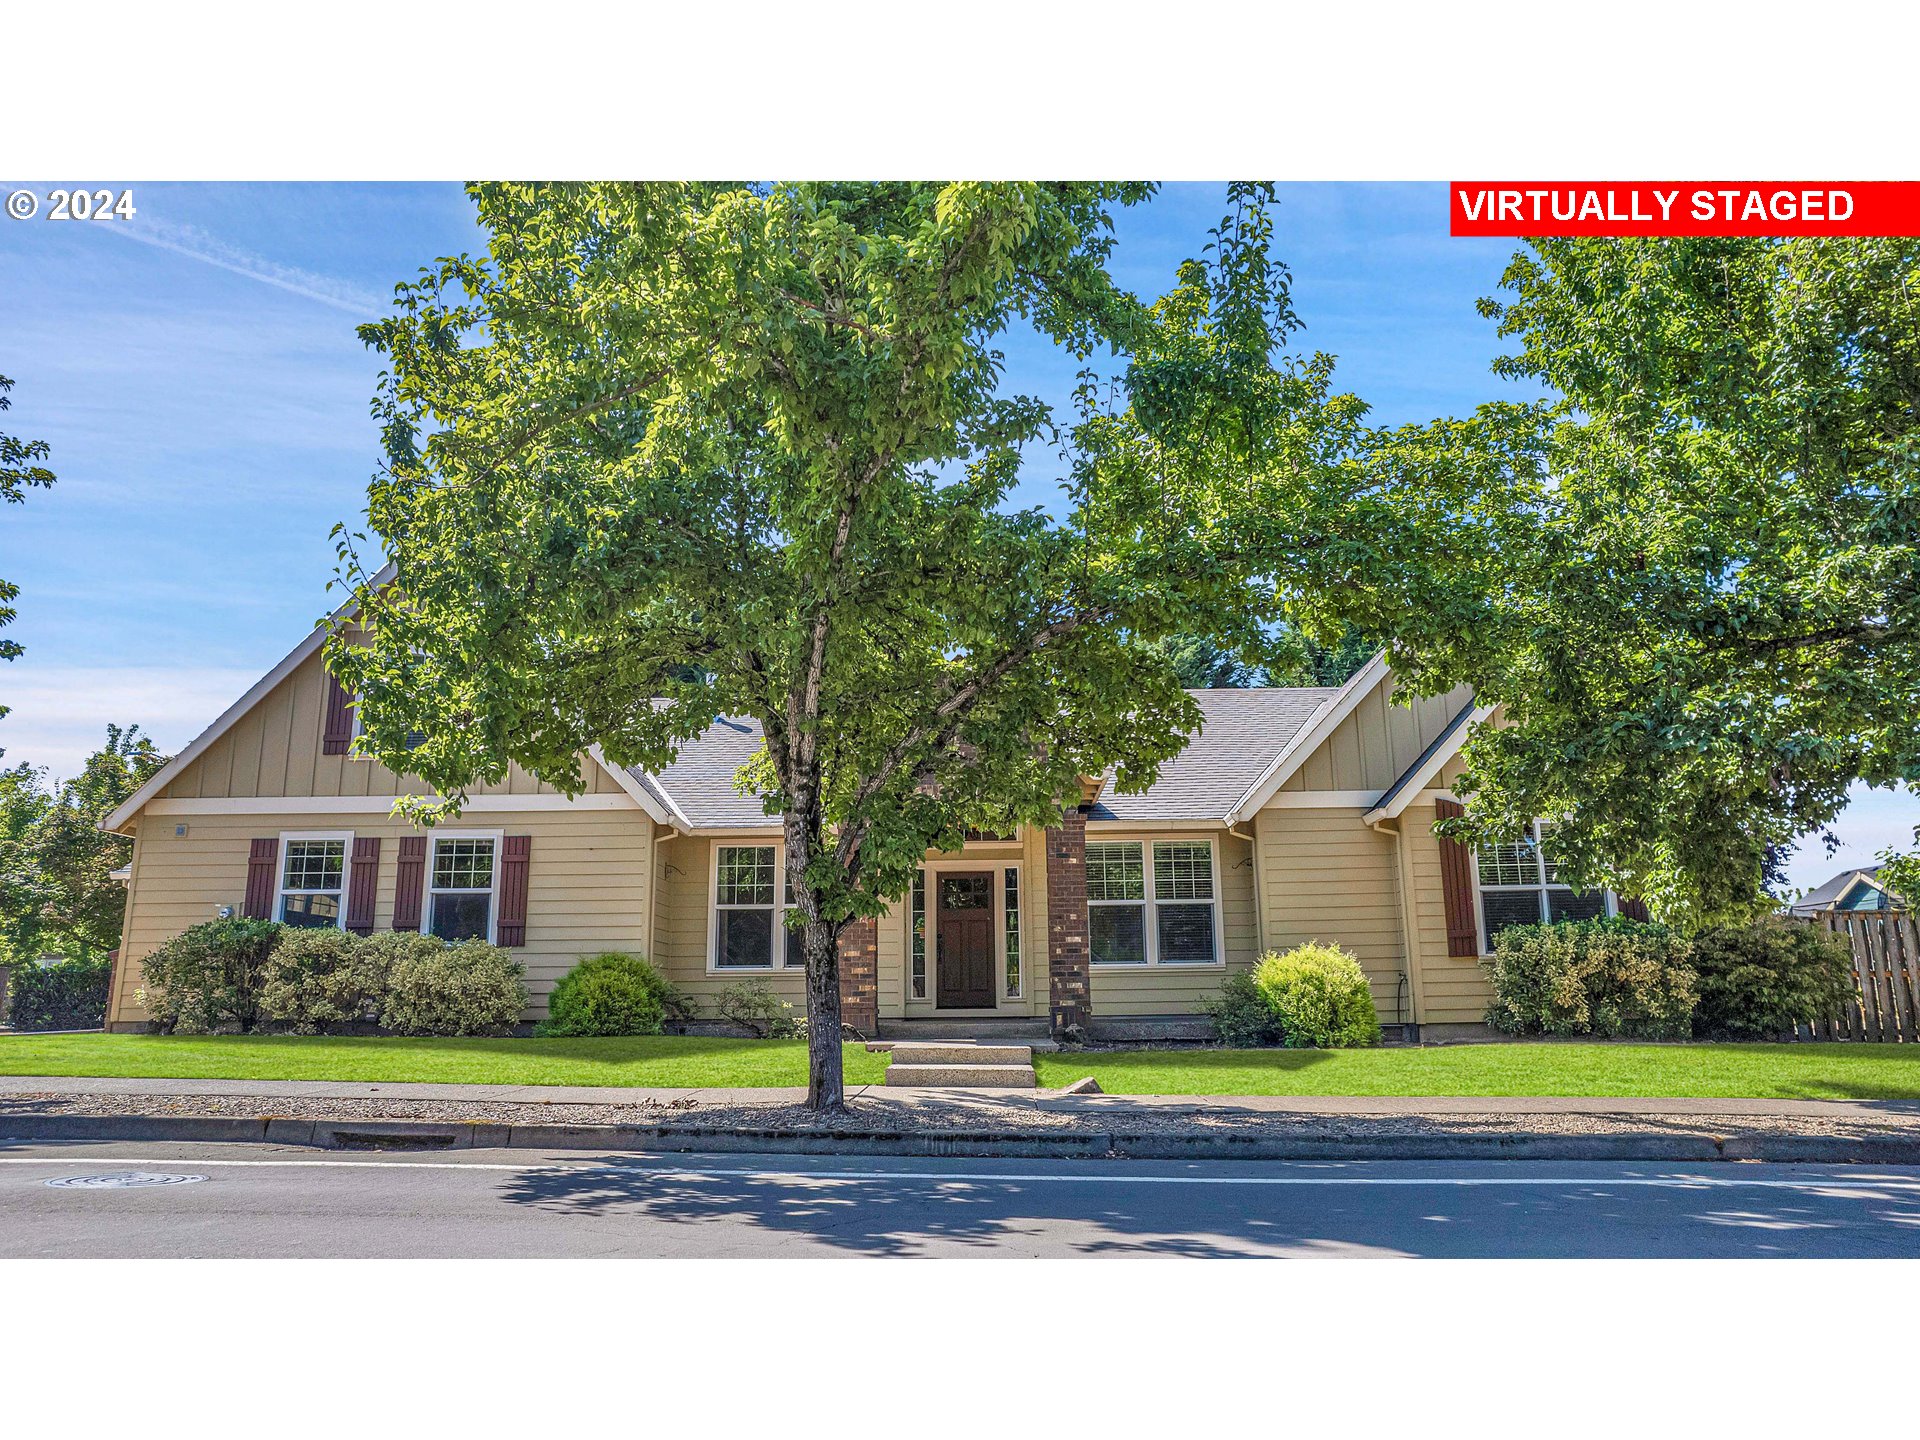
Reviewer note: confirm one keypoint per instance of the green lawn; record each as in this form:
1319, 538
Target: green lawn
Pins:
1810, 1072
668, 1061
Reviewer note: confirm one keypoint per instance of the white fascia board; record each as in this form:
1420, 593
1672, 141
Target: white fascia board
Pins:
230, 717
1310, 737
667, 814
1407, 790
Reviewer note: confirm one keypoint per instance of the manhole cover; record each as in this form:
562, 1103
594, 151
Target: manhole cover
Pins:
120, 1180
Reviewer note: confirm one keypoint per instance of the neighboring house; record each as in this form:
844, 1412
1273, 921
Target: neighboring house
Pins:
1294, 815
1849, 890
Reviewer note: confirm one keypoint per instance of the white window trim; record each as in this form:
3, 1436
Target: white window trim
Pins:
1609, 900
779, 963
427, 891
1151, 902
996, 866
280, 890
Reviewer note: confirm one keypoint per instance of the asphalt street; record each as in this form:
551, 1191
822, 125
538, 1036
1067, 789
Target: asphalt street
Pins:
114, 1200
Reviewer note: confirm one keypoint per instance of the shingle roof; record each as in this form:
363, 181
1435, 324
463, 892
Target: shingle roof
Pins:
1240, 733
1825, 895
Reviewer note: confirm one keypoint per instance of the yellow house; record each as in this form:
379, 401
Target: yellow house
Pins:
1292, 815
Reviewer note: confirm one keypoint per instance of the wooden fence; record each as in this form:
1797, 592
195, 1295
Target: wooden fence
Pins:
1886, 972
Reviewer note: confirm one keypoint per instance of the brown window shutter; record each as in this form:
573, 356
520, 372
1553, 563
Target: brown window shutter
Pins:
338, 736
1634, 910
363, 882
409, 880
512, 928
262, 860
1456, 887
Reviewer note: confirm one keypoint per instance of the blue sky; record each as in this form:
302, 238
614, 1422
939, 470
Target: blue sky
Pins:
197, 374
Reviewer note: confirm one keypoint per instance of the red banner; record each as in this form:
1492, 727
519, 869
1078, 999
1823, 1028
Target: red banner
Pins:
1684, 207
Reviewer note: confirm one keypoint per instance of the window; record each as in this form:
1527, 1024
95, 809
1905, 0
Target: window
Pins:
1520, 885
918, 918
1163, 915
415, 738
460, 884
746, 880
313, 880
1010, 898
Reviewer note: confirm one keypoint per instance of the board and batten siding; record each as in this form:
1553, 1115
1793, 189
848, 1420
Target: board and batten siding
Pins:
587, 881
1378, 743
275, 750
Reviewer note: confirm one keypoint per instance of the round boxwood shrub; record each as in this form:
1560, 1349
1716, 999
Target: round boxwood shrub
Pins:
472, 988
608, 994
1610, 978
209, 977
1759, 981
69, 994
318, 978
1318, 996
1240, 1014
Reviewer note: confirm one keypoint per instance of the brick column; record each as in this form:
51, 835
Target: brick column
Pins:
1068, 990
860, 975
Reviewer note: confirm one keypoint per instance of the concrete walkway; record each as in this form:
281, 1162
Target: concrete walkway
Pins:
1040, 1102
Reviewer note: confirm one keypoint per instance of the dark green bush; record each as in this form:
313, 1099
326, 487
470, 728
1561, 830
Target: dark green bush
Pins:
1240, 1014
1759, 981
1592, 977
69, 994
1318, 996
209, 977
611, 994
319, 978
471, 988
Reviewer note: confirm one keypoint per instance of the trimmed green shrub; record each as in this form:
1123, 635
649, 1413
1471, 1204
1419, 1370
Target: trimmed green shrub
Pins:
1318, 996
1758, 981
752, 1005
610, 994
471, 988
1592, 977
69, 994
318, 978
208, 977
1240, 1014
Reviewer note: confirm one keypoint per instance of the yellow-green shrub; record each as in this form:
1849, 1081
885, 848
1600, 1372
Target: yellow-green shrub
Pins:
1319, 997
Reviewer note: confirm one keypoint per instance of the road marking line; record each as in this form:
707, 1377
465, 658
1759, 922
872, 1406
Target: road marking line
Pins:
1896, 1182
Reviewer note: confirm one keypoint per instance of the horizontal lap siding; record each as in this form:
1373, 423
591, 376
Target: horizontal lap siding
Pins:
1328, 876
1453, 991
1183, 990
586, 891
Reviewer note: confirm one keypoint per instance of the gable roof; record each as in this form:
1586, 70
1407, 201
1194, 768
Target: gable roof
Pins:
1830, 893
1402, 793
1308, 738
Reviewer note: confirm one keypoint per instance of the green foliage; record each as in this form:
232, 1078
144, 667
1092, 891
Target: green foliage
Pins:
1202, 665
1900, 873
20, 471
317, 978
69, 995
1758, 981
1318, 996
57, 894
1690, 573
209, 977
1592, 977
753, 1005
609, 994
471, 988
1240, 1014
758, 459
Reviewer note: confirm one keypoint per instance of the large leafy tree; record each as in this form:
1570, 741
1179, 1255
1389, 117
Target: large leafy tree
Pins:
57, 891
1691, 572
20, 471
673, 451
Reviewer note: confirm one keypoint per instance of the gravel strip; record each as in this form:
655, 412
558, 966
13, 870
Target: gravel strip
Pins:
872, 1112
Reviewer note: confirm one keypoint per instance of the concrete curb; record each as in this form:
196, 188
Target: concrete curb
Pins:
1114, 1144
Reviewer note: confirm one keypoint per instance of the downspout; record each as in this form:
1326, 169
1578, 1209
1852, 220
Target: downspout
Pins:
1259, 883
1409, 1016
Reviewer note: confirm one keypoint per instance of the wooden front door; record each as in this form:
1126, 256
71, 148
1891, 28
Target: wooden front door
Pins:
964, 938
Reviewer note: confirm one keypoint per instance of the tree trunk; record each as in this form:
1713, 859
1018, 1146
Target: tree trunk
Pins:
826, 1082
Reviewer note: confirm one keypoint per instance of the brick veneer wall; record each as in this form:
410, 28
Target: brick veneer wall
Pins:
860, 975
1068, 987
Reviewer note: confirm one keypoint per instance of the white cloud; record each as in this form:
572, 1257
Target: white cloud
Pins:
60, 713
196, 244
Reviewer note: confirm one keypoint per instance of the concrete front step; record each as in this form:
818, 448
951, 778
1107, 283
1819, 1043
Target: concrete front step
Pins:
958, 1052
963, 1077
